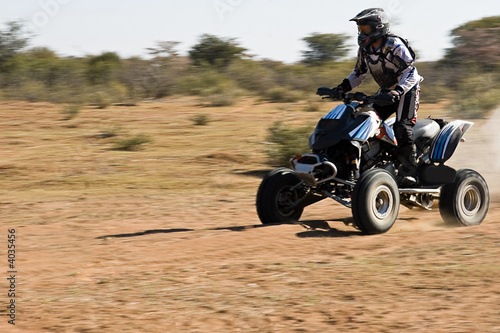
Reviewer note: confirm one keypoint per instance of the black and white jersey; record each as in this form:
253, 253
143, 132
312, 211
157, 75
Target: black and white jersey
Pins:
391, 65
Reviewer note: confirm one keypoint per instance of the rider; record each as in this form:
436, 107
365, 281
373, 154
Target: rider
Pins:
390, 62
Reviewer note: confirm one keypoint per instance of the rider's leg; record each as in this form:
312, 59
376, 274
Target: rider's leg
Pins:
406, 117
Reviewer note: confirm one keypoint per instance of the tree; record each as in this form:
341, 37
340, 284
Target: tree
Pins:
216, 51
162, 67
101, 69
12, 41
324, 47
164, 50
476, 42
44, 65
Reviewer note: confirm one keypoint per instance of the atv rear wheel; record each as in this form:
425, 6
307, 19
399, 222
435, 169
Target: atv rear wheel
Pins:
279, 191
465, 202
375, 202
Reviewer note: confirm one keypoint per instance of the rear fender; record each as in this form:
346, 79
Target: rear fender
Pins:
447, 140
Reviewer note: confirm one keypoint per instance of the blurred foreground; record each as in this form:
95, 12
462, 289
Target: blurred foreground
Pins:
162, 235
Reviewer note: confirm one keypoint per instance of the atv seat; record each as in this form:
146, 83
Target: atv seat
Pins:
424, 130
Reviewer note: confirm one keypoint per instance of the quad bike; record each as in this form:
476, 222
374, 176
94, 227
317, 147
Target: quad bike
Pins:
355, 161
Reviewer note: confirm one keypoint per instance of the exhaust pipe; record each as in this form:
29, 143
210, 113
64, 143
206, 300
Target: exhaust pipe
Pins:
305, 166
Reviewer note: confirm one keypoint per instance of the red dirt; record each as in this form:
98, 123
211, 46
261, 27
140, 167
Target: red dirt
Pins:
162, 261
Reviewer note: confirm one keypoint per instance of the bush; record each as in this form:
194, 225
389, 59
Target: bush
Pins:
282, 95
434, 93
203, 82
251, 76
102, 100
286, 142
71, 111
104, 96
477, 105
200, 119
132, 143
223, 99
476, 95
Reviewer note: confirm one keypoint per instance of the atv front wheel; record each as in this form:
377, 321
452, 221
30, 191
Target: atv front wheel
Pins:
278, 193
465, 202
375, 202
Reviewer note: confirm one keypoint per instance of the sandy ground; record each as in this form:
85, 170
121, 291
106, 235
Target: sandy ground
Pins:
129, 260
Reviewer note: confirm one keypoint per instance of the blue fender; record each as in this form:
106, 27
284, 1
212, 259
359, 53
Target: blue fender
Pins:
447, 140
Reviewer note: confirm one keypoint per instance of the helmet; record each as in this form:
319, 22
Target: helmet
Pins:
377, 19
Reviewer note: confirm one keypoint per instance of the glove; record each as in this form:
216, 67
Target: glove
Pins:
324, 91
336, 93
389, 97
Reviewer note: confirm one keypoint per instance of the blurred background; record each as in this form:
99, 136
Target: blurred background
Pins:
70, 51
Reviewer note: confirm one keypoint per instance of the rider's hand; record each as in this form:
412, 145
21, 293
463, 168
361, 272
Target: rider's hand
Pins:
324, 91
389, 97
337, 92
397, 94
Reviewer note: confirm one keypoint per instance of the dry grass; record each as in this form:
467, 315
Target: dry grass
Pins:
166, 239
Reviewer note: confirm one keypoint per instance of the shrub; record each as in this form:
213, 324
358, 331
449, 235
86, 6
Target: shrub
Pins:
200, 119
71, 111
286, 142
477, 105
434, 93
471, 99
102, 100
223, 99
203, 82
132, 143
282, 95
251, 76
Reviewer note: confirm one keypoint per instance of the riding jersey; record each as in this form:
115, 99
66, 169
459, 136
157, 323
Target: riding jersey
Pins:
391, 65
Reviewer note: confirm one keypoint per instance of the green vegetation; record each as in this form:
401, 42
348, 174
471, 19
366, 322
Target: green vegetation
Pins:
474, 63
324, 48
282, 95
200, 119
219, 72
215, 51
485, 23
132, 143
285, 142
71, 111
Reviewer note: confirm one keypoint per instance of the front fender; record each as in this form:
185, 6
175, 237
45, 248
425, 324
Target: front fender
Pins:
447, 140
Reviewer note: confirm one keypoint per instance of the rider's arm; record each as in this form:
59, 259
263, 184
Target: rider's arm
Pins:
358, 75
409, 76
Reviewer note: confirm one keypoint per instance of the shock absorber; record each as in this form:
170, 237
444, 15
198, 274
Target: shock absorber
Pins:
353, 162
355, 168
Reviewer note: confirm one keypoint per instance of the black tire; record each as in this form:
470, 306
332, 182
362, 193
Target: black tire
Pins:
375, 202
465, 202
276, 193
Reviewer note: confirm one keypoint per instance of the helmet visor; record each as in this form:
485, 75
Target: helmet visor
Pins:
364, 28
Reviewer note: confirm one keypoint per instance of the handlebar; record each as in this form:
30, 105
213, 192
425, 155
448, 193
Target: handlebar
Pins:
358, 96
379, 99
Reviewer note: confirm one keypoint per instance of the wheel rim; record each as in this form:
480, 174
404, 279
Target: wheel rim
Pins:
471, 200
285, 199
382, 203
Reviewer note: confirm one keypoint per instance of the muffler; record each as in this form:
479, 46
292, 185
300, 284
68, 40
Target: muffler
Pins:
312, 169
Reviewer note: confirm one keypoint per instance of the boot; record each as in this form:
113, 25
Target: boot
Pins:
408, 169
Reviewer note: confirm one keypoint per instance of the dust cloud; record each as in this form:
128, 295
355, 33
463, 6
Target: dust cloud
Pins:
481, 151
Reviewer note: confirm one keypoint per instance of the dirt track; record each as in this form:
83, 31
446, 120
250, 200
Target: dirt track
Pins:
162, 261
